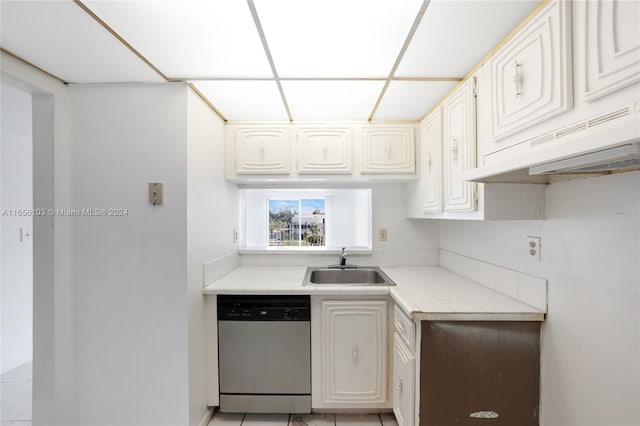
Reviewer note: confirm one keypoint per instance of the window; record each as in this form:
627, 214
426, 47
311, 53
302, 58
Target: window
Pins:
298, 222
305, 219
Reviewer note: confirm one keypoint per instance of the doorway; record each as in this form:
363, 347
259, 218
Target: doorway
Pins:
16, 254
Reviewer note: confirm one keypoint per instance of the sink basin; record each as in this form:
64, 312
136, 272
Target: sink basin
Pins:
363, 275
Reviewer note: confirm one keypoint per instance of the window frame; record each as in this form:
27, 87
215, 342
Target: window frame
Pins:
254, 232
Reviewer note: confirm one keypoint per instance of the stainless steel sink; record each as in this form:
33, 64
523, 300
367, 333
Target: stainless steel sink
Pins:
362, 275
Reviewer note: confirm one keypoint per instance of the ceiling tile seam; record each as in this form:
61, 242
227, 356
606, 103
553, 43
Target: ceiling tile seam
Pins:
120, 39
207, 101
267, 51
486, 57
32, 65
418, 79
138, 54
403, 49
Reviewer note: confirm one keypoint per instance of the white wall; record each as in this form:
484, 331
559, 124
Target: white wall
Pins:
212, 216
590, 255
130, 272
16, 192
409, 242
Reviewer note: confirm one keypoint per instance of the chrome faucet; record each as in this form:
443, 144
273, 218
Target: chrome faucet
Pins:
342, 259
342, 262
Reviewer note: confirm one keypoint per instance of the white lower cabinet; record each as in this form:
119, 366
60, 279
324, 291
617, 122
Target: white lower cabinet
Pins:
404, 368
353, 354
404, 373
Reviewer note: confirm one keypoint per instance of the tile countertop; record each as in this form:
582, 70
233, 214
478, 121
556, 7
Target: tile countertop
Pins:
423, 292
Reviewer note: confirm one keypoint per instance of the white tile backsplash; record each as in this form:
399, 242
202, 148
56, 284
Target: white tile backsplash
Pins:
532, 291
487, 274
218, 268
517, 285
507, 282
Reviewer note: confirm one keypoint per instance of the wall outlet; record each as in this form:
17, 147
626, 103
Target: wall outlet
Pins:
382, 234
235, 236
534, 247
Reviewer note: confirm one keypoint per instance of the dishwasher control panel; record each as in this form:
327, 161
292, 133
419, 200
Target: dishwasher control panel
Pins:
263, 308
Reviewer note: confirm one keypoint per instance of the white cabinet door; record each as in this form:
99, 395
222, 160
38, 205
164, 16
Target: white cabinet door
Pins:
262, 150
404, 376
531, 78
389, 150
459, 148
324, 150
612, 36
431, 137
354, 348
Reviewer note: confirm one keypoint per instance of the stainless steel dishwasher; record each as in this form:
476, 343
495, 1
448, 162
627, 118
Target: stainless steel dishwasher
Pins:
264, 351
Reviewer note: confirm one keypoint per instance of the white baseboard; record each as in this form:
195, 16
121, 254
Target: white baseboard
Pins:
206, 417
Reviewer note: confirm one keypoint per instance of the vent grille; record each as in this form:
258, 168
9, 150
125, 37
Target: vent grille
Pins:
542, 139
581, 126
621, 113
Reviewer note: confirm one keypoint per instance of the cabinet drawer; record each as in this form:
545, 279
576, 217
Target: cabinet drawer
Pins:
405, 327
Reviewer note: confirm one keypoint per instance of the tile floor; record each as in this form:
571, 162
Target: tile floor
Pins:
226, 419
15, 396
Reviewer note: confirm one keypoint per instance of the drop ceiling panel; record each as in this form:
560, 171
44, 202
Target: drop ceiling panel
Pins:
190, 38
455, 35
331, 100
245, 100
410, 100
336, 38
62, 39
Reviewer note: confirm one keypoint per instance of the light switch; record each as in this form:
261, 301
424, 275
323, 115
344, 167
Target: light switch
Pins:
382, 234
156, 196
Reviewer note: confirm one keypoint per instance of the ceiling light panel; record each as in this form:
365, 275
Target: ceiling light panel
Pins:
245, 100
331, 100
410, 100
190, 38
62, 39
454, 36
336, 38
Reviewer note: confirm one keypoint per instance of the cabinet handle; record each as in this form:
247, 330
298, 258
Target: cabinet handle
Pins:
517, 78
428, 162
325, 151
388, 150
354, 353
400, 327
454, 149
261, 150
399, 385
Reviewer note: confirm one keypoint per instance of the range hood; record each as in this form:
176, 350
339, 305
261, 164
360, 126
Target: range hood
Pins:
617, 159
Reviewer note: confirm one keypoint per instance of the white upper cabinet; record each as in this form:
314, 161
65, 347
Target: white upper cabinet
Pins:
324, 150
262, 150
339, 152
459, 147
612, 36
431, 169
531, 75
389, 149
